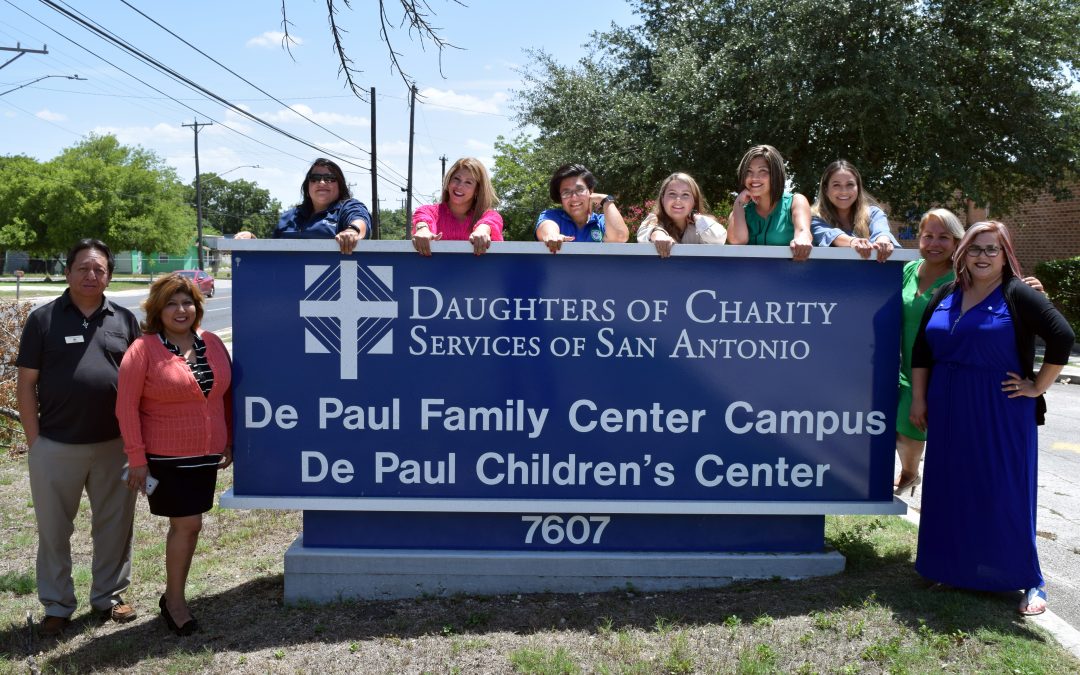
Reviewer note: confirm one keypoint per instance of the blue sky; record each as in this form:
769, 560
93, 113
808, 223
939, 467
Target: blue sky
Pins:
462, 113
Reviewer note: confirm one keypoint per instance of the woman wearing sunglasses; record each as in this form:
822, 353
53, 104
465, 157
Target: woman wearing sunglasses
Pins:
327, 211
973, 381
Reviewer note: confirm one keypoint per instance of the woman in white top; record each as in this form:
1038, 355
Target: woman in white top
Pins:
680, 215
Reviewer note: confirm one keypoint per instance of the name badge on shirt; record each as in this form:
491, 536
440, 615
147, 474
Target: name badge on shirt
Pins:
73, 339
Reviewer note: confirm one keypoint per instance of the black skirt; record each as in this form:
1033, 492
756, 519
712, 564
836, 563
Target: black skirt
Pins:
186, 485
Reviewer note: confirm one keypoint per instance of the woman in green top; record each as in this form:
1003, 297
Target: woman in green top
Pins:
764, 214
939, 233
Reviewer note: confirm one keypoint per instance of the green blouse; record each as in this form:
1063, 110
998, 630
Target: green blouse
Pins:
774, 230
914, 306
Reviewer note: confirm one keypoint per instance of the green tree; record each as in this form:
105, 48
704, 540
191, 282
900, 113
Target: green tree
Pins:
392, 224
97, 188
936, 101
520, 179
230, 206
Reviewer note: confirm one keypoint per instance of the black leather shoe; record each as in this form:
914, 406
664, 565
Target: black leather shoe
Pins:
188, 628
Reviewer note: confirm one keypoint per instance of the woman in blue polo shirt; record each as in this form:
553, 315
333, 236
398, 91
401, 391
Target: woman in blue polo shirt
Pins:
327, 211
585, 215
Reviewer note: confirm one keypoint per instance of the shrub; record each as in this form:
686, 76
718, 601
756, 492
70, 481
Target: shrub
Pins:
12, 317
1061, 279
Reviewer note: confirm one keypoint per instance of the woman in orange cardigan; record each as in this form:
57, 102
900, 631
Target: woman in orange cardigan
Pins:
174, 407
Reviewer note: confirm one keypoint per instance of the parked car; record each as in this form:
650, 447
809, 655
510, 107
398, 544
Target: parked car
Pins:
203, 281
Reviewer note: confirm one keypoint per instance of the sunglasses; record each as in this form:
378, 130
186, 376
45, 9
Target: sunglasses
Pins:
314, 178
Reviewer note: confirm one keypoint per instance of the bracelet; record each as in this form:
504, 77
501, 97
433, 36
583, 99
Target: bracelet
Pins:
354, 228
419, 225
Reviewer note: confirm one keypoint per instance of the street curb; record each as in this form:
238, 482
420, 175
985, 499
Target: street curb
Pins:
1066, 636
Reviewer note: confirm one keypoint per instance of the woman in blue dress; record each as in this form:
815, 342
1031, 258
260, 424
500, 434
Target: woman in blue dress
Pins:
973, 381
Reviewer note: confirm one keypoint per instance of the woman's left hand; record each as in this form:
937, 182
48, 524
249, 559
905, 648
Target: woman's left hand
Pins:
226, 458
800, 250
884, 248
862, 246
1019, 386
347, 239
480, 239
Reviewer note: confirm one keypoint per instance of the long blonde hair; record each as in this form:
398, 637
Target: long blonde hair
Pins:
860, 211
484, 199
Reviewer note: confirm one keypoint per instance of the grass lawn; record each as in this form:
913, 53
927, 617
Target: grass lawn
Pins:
39, 290
876, 617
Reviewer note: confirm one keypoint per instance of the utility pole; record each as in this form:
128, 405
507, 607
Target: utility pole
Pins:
443, 160
22, 50
375, 234
409, 182
198, 188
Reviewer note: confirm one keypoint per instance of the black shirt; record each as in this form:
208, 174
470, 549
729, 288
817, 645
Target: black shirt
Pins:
78, 359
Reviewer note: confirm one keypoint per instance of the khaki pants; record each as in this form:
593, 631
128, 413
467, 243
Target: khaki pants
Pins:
58, 474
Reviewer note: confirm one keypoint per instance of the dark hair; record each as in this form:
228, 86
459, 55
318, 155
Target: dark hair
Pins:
777, 174
343, 190
160, 291
569, 171
94, 244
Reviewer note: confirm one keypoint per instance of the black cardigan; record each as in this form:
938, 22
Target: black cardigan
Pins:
1032, 314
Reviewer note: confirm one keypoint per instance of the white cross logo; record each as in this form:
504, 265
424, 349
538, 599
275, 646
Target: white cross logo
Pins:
363, 307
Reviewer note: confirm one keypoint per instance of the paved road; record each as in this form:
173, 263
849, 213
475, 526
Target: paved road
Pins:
217, 316
1058, 521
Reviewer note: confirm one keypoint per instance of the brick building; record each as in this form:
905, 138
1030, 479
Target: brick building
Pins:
1044, 229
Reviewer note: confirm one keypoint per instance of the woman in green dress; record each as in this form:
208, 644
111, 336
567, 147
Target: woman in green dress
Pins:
763, 213
939, 233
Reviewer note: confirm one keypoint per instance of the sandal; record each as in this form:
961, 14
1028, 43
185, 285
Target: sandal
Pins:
1030, 596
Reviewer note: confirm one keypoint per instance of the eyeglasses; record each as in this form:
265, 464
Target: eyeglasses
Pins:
579, 191
314, 178
988, 251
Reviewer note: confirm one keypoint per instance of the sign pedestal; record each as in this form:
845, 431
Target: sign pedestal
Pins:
331, 575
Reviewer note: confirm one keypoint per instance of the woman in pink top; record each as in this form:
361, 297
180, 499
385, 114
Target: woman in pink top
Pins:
173, 403
465, 212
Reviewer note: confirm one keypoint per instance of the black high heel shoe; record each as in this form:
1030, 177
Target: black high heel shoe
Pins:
907, 480
187, 629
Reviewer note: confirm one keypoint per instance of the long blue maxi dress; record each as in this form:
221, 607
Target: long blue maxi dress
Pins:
977, 528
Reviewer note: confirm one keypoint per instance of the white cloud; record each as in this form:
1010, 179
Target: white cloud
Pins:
463, 103
50, 116
273, 38
148, 136
325, 118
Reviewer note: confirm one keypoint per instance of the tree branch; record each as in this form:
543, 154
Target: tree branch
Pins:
416, 14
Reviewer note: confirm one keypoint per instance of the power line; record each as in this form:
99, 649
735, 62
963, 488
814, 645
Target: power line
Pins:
250, 83
152, 87
131, 49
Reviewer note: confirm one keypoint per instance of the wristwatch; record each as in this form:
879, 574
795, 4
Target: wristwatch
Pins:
605, 201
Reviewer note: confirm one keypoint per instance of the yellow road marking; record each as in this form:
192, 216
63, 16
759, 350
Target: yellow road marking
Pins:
1075, 447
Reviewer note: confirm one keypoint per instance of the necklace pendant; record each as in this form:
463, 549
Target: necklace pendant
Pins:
85, 324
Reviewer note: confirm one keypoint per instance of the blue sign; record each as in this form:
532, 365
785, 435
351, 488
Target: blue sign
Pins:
601, 380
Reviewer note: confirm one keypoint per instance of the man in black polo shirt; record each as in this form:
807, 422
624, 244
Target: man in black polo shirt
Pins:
69, 357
